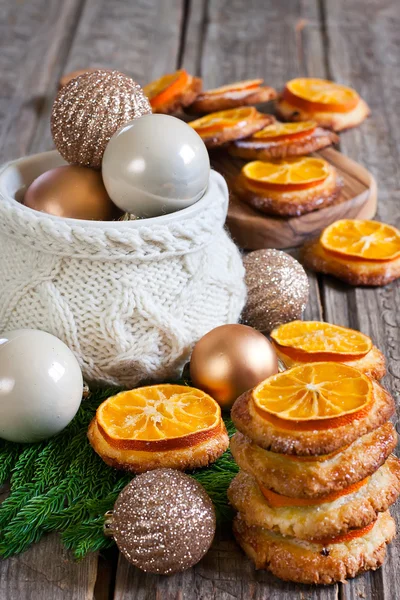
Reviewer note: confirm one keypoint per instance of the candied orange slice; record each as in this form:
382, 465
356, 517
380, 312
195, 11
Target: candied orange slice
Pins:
318, 341
278, 501
163, 89
287, 174
316, 458
158, 416
281, 131
320, 95
366, 240
216, 121
346, 537
313, 393
237, 86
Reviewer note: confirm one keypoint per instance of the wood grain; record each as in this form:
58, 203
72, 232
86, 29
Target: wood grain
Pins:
253, 230
375, 73
139, 38
34, 37
46, 571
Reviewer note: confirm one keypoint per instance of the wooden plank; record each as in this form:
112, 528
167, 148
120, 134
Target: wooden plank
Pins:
253, 39
34, 37
362, 38
226, 41
139, 38
46, 571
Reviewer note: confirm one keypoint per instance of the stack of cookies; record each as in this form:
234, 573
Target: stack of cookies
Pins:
317, 475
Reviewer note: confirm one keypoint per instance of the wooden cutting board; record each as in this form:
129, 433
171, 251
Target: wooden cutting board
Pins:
253, 230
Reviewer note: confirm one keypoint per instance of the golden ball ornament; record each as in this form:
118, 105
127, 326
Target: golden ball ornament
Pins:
71, 191
230, 360
89, 109
277, 289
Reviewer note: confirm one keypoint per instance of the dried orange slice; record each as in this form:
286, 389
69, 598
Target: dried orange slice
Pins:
237, 86
159, 416
321, 392
318, 341
287, 174
280, 501
346, 537
281, 131
320, 95
163, 89
366, 240
234, 117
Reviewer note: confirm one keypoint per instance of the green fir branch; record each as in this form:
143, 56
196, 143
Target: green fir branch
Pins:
63, 485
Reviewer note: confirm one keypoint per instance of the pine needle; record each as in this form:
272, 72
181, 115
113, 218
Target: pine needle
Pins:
62, 485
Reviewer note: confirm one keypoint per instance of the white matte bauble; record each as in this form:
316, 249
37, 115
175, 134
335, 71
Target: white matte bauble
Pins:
40, 385
155, 165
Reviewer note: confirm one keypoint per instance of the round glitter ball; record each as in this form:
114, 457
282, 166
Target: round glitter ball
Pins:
89, 109
163, 521
277, 289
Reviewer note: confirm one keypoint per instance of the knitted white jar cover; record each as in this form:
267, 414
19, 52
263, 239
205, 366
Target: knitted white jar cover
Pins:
129, 298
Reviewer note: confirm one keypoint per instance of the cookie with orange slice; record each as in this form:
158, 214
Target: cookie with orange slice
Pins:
328, 103
335, 514
239, 93
311, 409
170, 426
358, 252
315, 476
218, 128
281, 140
300, 342
172, 92
319, 562
289, 187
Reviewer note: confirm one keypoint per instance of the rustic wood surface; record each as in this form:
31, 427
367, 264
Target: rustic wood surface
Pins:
356, 43
253, 230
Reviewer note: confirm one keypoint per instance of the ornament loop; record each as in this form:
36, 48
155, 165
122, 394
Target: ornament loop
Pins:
108, 524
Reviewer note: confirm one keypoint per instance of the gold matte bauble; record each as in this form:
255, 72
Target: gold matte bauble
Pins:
89, 109
230, 360
71, 191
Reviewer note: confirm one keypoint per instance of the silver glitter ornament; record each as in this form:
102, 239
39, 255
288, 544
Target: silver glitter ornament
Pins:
163, 521
89, 109
277, 289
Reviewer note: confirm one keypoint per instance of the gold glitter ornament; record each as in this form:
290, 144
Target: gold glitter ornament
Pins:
89, 109
277, 289
163, 521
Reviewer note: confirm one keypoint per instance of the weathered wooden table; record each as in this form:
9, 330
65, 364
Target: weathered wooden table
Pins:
356, 42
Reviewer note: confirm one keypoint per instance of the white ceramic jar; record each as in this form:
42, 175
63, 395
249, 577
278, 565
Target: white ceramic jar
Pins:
129, 298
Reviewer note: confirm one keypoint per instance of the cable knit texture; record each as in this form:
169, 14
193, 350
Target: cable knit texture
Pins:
129, 298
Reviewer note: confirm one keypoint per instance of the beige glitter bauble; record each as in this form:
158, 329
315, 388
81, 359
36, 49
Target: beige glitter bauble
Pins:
163, 521
277, 289
89, 109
